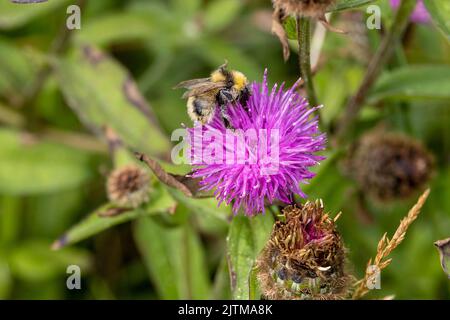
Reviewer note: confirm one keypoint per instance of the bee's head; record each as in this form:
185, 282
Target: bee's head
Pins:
233, 79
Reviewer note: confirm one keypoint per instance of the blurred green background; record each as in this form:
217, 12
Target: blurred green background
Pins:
56, 101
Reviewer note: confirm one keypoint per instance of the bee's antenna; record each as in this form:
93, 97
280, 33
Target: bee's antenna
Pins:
224, 66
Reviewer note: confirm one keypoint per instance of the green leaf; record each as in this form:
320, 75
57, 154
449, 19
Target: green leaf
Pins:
414, 82
246, 238
254, 293
13, 15
34, 261
211, 218
160, 202
10, 222
186, 8
174, 258
221, 288
221, 13
5, 278
109, 29
15, 69
350, 4
206, 206
440, 14
290, 26
30, 167
103, 94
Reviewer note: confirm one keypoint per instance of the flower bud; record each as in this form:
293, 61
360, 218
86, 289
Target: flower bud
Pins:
128, 186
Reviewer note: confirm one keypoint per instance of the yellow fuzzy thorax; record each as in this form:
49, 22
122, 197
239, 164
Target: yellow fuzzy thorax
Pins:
217, 76
239, 79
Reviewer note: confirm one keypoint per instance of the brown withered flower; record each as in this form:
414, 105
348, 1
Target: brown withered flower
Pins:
304, 8
283, 9
128, 186
304, 257
389, 166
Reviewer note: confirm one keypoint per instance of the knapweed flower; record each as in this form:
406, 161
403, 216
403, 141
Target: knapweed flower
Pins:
420, 13
128, 186
266, 156
389, 166
304, 257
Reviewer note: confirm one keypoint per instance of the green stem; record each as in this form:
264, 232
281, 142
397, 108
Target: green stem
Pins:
304, 57
375, 67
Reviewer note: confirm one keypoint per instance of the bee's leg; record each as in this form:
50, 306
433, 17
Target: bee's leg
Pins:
245, 95
224, 97
225, 117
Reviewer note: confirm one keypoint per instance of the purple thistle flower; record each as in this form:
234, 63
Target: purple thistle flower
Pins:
420, 13
266, 156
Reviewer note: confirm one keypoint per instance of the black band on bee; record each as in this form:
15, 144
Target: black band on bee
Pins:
224, 97
198, 108
245, 96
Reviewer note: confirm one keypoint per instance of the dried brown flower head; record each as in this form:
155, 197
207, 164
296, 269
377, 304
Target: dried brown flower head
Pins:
304, 8
304, 257
283, 9
389, 166
128, 186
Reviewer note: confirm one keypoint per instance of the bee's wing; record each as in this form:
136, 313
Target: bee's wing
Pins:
189, 84
203, 88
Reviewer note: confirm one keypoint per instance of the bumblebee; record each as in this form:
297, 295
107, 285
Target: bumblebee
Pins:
219, 90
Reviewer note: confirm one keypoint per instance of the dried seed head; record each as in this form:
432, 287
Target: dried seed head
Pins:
305, 8
389, 166
128, 186
314, 9
304, 257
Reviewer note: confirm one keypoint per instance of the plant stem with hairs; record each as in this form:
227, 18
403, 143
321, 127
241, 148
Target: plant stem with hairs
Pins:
375, 67
304, 57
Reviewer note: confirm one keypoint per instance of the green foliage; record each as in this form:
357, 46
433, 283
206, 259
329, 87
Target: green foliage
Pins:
161, 202
101, 92
246, 238
440, 13
30, 167
415, 82
117, 73
14, 15
15, 68
35, 263
352, 4
174, 258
